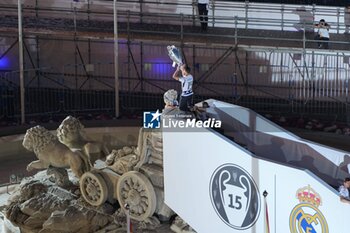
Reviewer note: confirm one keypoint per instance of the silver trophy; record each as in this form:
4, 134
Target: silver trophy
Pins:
175, 55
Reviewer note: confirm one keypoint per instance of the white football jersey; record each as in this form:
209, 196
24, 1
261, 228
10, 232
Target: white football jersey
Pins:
186, 85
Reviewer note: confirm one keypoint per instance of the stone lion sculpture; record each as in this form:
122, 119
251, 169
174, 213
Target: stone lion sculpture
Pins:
51, 152
70, 133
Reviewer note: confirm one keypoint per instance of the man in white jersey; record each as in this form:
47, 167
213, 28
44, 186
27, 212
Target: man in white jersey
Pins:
186, 79
344, 191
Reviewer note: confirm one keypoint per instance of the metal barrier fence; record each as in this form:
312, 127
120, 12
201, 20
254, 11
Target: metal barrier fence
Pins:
267, 81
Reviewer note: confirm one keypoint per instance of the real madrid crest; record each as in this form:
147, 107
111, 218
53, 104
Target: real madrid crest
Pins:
235, 196
306, 217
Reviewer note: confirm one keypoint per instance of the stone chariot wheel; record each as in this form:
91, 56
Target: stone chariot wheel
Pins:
93, 188
136, 190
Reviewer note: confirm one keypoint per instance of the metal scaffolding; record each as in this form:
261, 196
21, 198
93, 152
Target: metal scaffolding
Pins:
248, 58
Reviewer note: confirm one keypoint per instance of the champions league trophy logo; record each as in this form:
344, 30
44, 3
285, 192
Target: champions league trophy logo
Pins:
175, 55
235, 196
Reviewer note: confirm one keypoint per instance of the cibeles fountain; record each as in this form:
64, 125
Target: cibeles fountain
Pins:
84, 186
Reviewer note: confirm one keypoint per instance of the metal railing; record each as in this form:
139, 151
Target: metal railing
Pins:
222, 13
268, 79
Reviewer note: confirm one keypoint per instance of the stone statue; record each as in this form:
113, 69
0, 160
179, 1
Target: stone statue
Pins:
70, 133
134, 176
50, 151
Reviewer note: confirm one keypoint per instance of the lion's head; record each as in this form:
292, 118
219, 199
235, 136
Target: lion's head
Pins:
69, 129
37, 138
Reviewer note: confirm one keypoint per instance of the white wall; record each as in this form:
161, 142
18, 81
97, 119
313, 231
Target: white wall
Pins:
190, 159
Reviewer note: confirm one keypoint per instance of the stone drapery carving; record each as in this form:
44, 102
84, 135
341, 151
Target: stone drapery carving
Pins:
122, 160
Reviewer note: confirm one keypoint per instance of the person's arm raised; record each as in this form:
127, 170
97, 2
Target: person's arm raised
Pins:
176, 74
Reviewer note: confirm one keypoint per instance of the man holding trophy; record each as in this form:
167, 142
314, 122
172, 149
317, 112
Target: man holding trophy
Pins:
183, 75
186, 79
